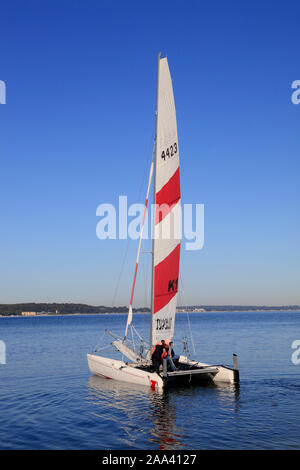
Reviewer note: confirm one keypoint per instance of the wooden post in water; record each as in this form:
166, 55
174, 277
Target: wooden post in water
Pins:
236, 373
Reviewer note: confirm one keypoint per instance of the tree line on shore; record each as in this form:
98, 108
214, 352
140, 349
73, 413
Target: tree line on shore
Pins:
69, 308
59, 308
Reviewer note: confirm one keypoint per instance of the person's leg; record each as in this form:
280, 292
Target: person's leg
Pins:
171, 363
156, 364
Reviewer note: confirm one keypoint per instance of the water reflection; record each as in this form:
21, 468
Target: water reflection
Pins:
150, 418
165, 433
147, 411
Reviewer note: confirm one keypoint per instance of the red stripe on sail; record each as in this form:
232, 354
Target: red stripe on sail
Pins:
167, 197
166, 279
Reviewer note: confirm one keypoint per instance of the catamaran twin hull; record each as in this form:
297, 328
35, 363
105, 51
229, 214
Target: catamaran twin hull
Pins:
166, 247
141, 374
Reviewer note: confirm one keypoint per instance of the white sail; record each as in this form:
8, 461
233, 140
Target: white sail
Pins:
127, 351
129, 317
167, 220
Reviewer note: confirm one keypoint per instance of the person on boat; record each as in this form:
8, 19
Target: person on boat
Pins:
171, 358
158, 353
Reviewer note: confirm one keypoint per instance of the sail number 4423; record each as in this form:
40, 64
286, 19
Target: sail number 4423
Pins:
170, 152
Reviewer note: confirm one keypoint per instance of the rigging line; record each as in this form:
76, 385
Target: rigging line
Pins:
188, 318
121, 272
144, 277
143, 264
148, 160
128, 240
99, 343
129, 318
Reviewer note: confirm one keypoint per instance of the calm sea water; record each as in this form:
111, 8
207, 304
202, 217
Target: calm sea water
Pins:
49, 400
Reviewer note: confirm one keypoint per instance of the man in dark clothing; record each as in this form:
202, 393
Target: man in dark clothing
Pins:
157, 355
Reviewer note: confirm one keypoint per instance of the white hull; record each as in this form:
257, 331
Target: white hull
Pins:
225, 374
119, 370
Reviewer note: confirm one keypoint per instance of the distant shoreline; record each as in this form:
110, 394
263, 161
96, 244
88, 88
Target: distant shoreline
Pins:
38, 315
55, 308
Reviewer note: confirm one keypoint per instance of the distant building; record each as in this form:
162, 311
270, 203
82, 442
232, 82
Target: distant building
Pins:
28, 314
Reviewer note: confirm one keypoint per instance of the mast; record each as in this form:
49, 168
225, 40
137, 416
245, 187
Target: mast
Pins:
154, 201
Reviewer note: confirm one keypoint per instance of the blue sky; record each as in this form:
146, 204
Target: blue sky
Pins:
78, 126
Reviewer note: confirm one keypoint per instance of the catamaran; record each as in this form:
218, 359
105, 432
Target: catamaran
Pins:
165, 268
